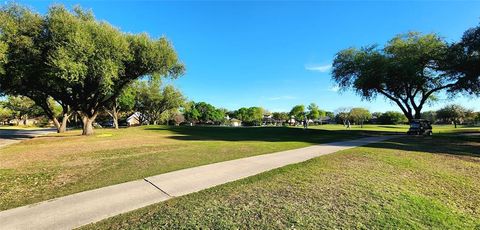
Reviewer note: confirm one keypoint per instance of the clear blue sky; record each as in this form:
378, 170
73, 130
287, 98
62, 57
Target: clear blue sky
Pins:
277, 54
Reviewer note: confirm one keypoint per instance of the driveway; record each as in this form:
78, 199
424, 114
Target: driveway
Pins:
11, 136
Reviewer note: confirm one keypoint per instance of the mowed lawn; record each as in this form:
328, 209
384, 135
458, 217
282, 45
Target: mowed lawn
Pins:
406, 183
61, 164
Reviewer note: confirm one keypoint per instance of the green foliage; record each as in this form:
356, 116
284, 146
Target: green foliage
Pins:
453, 113
430, 116
5, 114
280, 116
152, 100
392, 118
77, 60
298, 112
329, 114
22, 107
314, 112
252, 116
204, 113
190, 112
408, 70
360, 115
463, 61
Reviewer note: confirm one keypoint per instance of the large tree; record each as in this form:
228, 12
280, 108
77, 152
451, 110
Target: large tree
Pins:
464, 62
80, 62
409, 70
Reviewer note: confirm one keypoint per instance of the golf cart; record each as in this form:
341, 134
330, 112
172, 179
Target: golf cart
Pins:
420, 127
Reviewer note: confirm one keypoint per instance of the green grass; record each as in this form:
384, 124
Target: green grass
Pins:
437, 129
405, 183
61, 164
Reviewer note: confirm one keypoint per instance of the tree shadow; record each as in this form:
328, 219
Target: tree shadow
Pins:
453, 144
456, 144
268, 134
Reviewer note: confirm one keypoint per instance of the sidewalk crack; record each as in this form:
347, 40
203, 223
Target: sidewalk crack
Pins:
161, 190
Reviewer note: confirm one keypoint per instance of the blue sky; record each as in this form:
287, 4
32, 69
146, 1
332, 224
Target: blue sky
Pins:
277, 54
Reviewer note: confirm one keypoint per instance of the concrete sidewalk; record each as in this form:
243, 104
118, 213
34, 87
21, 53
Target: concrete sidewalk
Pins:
90, 206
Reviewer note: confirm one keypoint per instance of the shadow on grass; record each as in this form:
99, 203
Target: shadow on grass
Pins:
456, 144
440, 144
269, 134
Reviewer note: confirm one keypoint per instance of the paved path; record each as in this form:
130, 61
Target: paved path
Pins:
11, 136
86, 207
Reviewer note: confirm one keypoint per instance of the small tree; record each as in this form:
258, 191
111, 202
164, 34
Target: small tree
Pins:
255, 115
152, 101
343, 115
124, 103
5, 114
190, 113
360, 115
392, 118
280, 117
298, 112
452, 113
22, 108
430, 116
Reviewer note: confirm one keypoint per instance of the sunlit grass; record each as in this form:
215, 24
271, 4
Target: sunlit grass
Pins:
407, 183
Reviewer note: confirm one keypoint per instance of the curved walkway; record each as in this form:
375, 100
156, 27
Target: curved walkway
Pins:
90, 206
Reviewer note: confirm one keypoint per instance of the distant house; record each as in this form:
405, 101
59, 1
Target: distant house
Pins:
268, 119
235, 122
134, 119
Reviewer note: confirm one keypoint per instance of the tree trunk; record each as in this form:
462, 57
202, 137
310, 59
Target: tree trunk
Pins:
88, 124
63, 125
25, 120
57, 124
455, 123
115, 117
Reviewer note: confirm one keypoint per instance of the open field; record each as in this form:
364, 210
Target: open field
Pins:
406, 183
61, 164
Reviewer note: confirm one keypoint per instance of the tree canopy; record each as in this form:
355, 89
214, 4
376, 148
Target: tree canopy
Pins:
409, 70
298, 112
77, 60
453, 113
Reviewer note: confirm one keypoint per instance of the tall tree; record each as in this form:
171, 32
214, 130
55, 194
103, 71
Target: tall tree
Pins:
464, 62
409, 70
79, 61
20, 30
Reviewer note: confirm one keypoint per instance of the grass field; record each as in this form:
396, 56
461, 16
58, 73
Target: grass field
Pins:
404, 183
57, 165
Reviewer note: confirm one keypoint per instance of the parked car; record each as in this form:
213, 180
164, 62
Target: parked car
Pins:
420, 127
